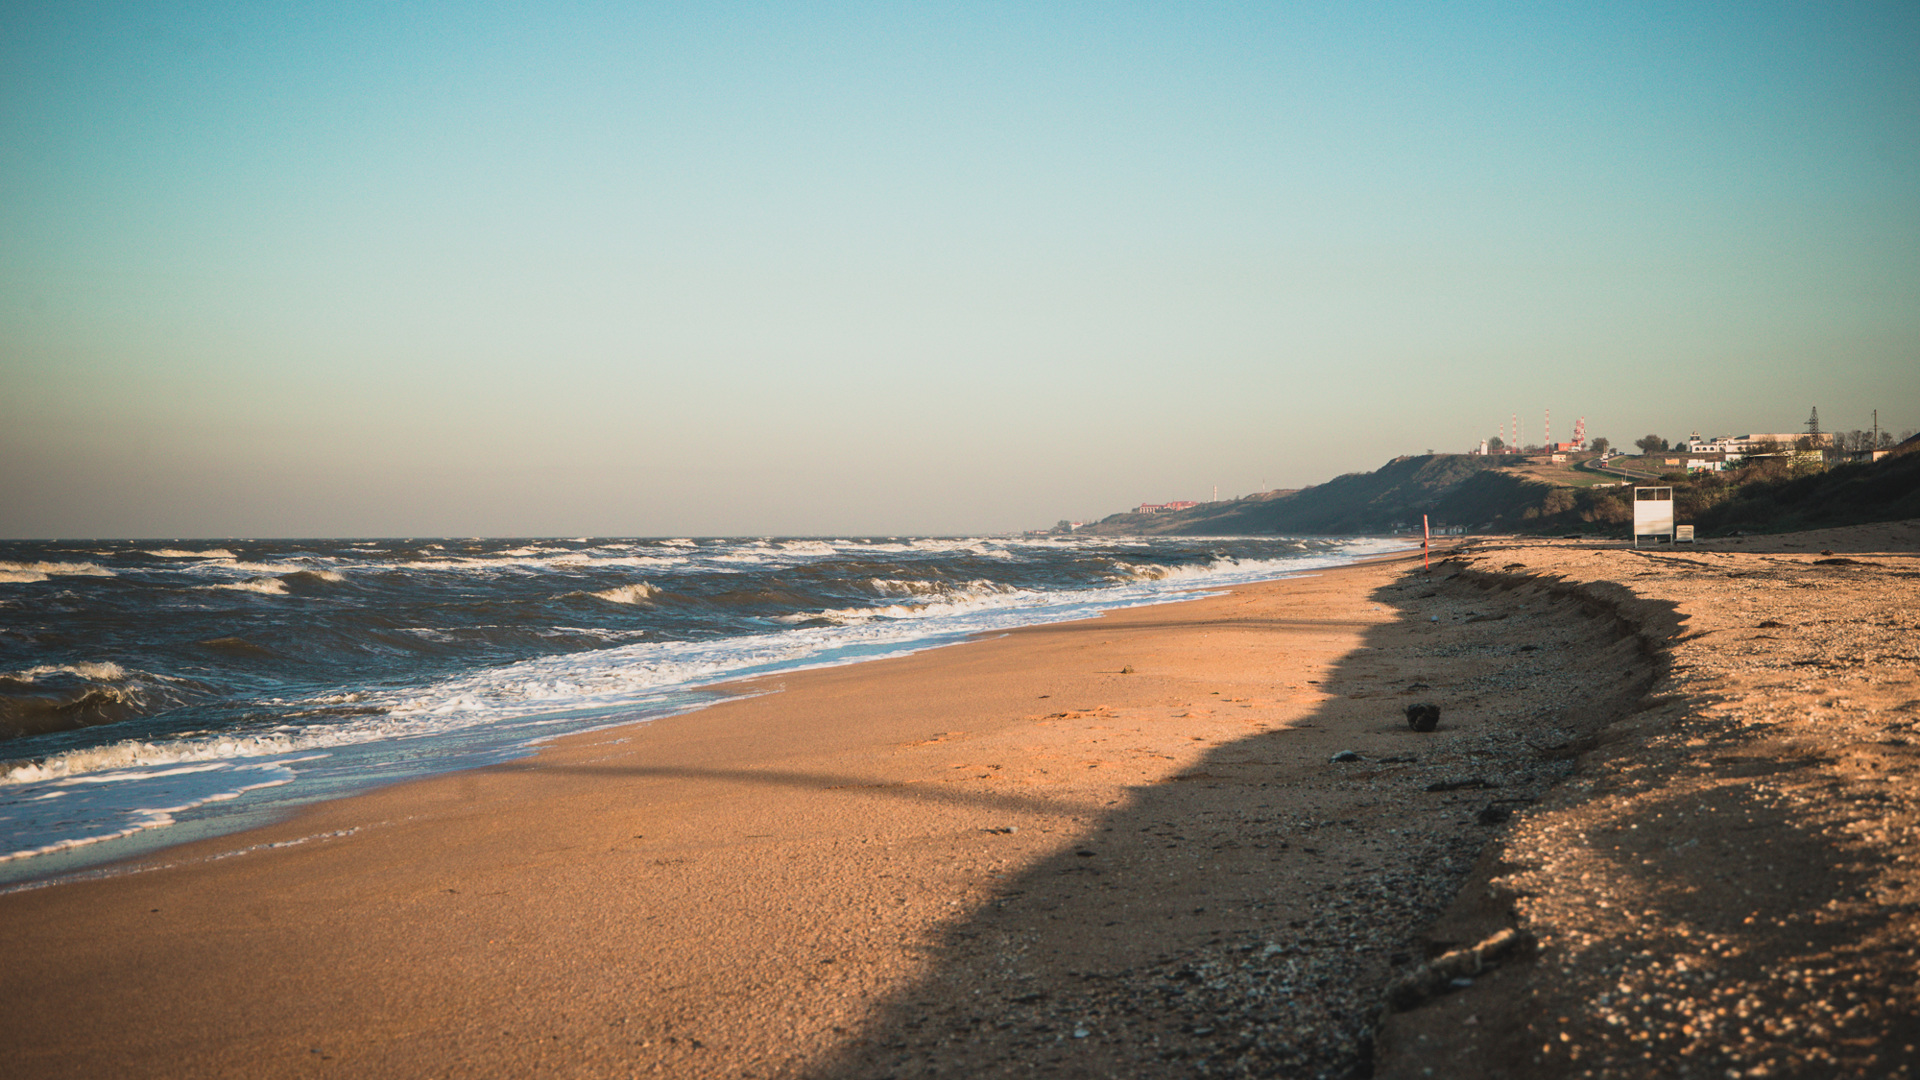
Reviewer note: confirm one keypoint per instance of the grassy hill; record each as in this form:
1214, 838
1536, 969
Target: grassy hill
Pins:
1392, 496
1496, 494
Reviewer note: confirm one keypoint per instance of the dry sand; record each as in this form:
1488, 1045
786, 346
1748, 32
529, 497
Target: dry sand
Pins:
1729, 885
1110, 848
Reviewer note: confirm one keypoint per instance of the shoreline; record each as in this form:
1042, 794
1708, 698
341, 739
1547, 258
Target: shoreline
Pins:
641, 875
1010, 856
67, 859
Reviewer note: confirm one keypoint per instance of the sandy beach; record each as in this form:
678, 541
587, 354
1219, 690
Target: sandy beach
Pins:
1120, 847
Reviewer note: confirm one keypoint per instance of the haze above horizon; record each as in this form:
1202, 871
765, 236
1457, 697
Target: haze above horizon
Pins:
412, 269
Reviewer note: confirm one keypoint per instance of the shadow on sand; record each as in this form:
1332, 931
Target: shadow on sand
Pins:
1244, 918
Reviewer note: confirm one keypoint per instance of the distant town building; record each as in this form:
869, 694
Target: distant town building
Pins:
1161, 508
1738, 446
1705, 462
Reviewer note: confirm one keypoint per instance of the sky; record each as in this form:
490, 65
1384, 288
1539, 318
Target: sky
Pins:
422, 269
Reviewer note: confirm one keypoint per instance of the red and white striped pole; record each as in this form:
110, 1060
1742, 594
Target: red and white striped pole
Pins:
1426, 543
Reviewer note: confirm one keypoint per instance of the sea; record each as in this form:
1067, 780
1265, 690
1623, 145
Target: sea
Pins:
157, 692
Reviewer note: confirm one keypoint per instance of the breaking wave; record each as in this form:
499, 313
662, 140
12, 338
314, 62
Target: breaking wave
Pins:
41, 571
269, 586
637, 593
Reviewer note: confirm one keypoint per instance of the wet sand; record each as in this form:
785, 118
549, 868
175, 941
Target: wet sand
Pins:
1116, 847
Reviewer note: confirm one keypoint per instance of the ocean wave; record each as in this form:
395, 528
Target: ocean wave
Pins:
637, 593
267, 586
942, 600
238, 646
100, 671
570, 561
63, 697
177, 553
20, 572
271, 567
905, 586
105, 761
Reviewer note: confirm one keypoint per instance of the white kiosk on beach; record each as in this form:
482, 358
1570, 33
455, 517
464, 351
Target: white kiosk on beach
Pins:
1652, 513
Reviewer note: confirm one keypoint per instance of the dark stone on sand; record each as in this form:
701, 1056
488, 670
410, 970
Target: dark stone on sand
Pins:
1459, 785
1493, 815
1345, 756
1423, 716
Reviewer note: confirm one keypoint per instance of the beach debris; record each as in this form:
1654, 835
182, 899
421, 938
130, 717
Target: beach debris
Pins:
1346, 756
1443, 974
1423, 716
1005, 830
1127, 670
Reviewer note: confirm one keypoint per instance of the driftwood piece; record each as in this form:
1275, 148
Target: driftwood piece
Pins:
1433, 978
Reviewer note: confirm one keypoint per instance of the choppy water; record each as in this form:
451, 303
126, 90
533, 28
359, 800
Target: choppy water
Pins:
153, 692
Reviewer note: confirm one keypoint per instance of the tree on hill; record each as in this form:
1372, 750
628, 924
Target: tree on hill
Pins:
1599, 446
1496, 445
1650, 444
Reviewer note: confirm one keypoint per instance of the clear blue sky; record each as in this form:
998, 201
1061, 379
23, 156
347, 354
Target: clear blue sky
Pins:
530, 269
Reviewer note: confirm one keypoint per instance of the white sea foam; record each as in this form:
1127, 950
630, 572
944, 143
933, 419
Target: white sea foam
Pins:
59, 814
137, 754
945, 600
269, 586
270, 567
904, 587
103, 671
177, 553
569, 561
